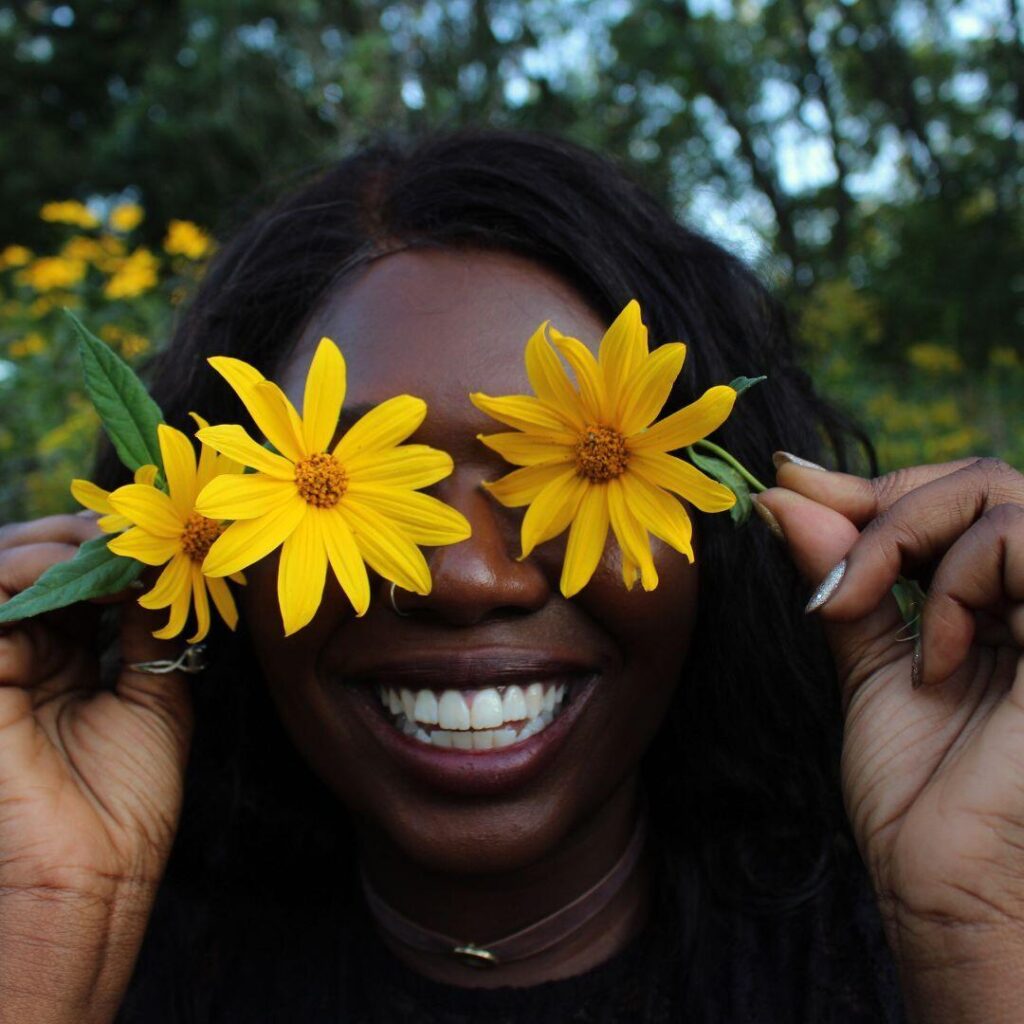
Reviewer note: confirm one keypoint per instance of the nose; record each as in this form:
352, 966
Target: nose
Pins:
479, 578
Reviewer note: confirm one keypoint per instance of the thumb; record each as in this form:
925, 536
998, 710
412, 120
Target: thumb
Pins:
818, 538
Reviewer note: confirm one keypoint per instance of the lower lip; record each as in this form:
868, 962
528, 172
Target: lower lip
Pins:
472, 772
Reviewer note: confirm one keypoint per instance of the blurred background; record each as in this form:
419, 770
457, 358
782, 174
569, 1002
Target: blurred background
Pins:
864, 156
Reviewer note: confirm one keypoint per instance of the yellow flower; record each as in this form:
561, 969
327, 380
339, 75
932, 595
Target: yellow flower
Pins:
166, 528
32, 344
70, 211
49, 272
14, 256
934, 358
348, 505
136, 274
96, 499
126, 216
187, 239
590, 456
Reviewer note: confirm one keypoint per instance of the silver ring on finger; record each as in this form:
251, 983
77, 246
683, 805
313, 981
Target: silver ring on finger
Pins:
191, 661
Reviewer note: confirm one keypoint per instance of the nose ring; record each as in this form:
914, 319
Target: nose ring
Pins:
394, 603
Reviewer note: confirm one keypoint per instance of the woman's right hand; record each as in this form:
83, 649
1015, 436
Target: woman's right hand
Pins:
90, 790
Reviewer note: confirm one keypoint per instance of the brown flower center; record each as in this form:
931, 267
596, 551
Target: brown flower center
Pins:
199, 534
321, 480
601, 454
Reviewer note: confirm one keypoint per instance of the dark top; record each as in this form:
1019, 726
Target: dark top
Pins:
306, 958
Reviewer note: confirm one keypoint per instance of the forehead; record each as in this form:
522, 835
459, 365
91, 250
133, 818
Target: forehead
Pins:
440, 324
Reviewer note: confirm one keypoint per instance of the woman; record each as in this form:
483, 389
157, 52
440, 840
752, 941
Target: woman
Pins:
695, 763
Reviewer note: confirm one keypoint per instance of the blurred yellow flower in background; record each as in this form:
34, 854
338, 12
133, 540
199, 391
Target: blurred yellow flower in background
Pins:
32, 344
49, 272
136, 274
187, 239
69, 211
14, 256
934, 358
126, 217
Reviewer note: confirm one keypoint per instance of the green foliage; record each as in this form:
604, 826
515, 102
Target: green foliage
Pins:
95, 570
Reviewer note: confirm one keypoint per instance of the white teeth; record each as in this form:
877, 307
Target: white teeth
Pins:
408, 704
534, 699
504, 737
490, 718
452, 711
513, 705
426, 707
487, 710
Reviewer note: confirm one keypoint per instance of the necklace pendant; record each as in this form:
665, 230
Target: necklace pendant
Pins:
474, 956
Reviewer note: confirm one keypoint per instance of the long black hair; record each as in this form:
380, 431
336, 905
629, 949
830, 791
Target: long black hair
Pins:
742, 780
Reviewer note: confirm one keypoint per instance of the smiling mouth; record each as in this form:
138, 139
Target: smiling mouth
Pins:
499, 716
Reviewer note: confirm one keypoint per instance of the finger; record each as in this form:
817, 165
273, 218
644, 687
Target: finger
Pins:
983, 569
20, 567
818, 537
858, 498
915, 532
58, 529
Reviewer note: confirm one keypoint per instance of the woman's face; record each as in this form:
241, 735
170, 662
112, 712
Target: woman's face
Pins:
440, 325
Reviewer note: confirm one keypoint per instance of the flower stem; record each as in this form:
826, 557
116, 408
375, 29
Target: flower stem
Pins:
726, 457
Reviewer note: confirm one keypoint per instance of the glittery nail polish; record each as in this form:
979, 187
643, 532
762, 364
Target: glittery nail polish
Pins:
827, 587
781, 458
768, 518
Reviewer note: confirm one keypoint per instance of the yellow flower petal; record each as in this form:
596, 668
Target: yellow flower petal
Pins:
233, 441
149, 508
411, 465
382, 427
588, 375
549, 380
689, 424
243, 496
265, 411
632, 537
622, 351
171, 583
526, 449
302, 572
179, 613
524, 412
146, 475
179, 467
346, 562
683, 479
423, 519
386, 549
91, 496
323, 396
114, 523
201, 605
646, 392
659, 512
289, 424
223, 600
630, 571
521, 486
249, 540
586, 541
552, 510
142, 545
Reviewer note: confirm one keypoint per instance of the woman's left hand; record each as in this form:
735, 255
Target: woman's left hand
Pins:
933, 776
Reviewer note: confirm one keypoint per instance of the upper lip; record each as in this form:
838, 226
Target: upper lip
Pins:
467, 670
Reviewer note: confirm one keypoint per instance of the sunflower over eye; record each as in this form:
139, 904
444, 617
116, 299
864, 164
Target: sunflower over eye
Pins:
591, 455
348, 506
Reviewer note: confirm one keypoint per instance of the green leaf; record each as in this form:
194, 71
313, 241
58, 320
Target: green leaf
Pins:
909, 597
720, 470
740, 384
129, 415
94, 571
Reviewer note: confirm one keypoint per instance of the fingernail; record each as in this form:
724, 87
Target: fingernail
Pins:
915, 666
827, 587
768, 518
781, 458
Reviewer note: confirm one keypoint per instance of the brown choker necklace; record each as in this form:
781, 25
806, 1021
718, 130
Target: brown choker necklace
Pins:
529, 941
